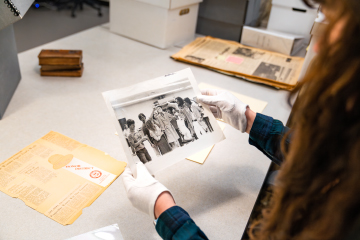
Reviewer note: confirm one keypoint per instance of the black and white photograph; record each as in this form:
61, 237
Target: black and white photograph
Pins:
193, 58
247, 52
160, 121
267, 70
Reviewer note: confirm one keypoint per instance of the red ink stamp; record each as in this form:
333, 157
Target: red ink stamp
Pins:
95, 174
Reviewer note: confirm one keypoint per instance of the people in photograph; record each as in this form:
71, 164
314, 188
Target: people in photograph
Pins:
136, 141
126, 132
207, 122
185, 111
196, 112
172, 112
176, 114
169, 110
183, 130
204, 118
145, 131
197, 127
162, 119
158, 137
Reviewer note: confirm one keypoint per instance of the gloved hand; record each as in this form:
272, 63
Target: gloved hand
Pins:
225, 106
144, 190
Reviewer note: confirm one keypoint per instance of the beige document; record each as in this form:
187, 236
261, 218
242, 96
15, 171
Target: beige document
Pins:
58, 176
255, 104
235, 59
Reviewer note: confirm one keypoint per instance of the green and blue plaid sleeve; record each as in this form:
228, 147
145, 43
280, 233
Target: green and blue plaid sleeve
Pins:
175, 223
266, 134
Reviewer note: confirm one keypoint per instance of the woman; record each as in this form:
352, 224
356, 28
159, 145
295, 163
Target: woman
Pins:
126, 134
183, 129
196, 113
185, 111
317, 190
162, 119
172, 111
158, 137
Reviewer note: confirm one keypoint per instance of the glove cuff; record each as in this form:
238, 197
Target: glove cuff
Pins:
155, 195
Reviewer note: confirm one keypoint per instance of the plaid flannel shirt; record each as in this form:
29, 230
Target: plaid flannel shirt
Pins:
175, 223
266, 134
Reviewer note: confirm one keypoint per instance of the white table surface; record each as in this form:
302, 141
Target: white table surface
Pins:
218, 195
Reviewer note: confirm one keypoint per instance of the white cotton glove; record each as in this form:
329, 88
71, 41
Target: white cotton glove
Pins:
144, 190
225, 106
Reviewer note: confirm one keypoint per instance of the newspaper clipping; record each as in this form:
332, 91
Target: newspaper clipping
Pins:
248, 63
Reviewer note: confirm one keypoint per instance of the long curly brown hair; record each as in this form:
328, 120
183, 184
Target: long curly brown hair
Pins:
318, 188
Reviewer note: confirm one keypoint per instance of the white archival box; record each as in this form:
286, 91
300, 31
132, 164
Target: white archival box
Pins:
316, 32
275, 41
161, 23
292, 16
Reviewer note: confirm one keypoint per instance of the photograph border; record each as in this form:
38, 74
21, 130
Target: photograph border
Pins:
183, 74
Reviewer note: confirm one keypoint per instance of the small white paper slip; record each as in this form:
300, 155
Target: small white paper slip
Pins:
90, 172
111, 232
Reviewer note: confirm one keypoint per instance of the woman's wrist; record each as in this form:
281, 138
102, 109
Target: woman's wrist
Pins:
163, 203
250, 117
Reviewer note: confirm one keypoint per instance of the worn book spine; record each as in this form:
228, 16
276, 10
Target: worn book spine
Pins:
63, 73
60, 67
60, 61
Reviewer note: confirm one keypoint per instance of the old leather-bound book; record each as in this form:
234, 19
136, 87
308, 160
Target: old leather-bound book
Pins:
63, 73
60, 57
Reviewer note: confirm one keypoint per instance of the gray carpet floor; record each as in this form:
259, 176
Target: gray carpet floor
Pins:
43, 25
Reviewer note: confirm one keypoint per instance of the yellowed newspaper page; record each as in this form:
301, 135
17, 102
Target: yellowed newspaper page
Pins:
58, 176
236, 59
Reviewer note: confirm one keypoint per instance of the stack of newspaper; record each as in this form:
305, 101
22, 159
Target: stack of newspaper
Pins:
251, 64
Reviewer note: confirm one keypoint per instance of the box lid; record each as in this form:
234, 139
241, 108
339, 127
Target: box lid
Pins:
181, 3
170, 4
293, 4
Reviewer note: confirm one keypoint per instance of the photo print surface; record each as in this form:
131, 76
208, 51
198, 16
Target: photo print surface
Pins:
160, 121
